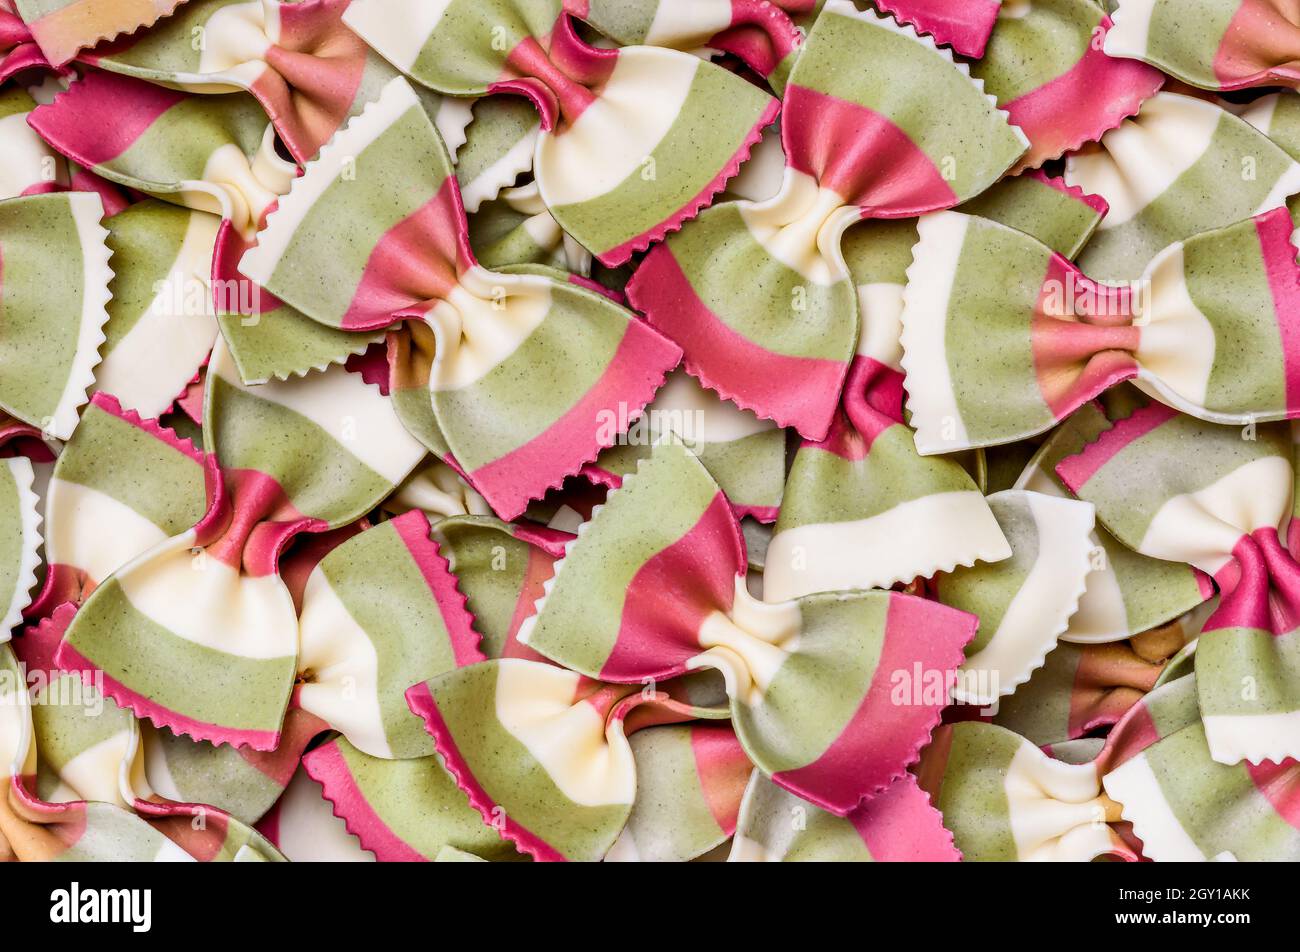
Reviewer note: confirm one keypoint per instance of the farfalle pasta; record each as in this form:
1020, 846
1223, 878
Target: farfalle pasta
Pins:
757, 293
649, 430
772, 655
988, 303
1215, 45
1163, 174
1219, 508
475, 338
278, 461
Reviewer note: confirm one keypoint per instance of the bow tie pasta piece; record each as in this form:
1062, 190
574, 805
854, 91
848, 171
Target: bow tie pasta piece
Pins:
62, 28
1006, 800
654, 587
1176, 488
1045, 65
1127, 592
1004, 338
543, 753
1186, 807
634, 141
509, 377
213, 153
1180, 167
1214, 44
898, 825
757, 293
220, 633
52, 306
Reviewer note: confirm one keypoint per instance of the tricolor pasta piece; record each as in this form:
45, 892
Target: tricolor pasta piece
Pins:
121, 485
1006, 800
469, 369
543, 753
53, 293
1214, 44
899, 825
1044, 63
62, 28
1176, 488
812, 682
207, 607
1127, 593
745, 455
1164, 174
634, 141
307, 70
1024, 603
757, 293
1003, 338
212, 153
